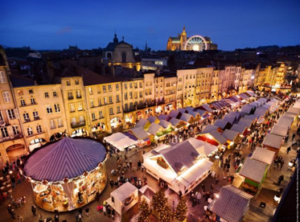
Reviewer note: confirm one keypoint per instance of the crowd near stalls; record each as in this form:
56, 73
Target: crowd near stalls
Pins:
67, 174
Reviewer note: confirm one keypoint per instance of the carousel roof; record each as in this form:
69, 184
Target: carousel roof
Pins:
67, 158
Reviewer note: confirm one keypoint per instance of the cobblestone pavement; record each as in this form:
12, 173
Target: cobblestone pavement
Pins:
194, 213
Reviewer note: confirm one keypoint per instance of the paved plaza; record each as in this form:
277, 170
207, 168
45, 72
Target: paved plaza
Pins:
195, 213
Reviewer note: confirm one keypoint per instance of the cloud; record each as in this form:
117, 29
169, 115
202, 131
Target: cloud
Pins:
64, 30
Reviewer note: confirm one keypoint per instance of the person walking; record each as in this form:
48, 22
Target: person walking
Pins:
33, 210
280, 179
293, 136
13, 213
18, 177
87, 210
113, 214
288, 150
56, 218
281, 164
13, 181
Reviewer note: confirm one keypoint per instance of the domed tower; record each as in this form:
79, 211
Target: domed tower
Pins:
183, 38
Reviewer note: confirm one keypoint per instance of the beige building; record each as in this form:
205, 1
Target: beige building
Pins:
214, 91
170, 89
186, 86
203, 85
12, 144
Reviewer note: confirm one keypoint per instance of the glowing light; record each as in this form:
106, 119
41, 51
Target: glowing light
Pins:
196, 47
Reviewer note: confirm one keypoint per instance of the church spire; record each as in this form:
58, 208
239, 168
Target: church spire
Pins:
183, 31
116, 40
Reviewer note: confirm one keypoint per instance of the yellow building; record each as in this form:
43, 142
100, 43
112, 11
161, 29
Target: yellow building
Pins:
214, 90
12, 144
203, 85
262, 75
42, 113
170, 93
186, 87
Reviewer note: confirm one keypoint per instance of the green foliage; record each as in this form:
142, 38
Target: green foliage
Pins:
181, 210
159, 201
144, 212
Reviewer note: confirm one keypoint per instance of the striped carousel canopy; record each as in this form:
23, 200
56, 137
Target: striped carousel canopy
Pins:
67, 158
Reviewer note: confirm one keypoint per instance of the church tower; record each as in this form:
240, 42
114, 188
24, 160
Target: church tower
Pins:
183, 38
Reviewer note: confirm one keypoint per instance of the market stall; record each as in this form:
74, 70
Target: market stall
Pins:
273, 142
261, 111
67, 174
153, 119
254, 173
213, 137
231, 136
263, 155
142, 136
280, 130
240, 128
202, 147
120, 141
175, 114
223, 124
142, 123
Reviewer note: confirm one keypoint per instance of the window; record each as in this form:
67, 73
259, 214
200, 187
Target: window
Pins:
130, 85
100, 114
104, 89
1, 117
56, 108
29, 131
32, 100
74, 121
77, 82
105, 100
68, 82
54, 94
72, 108
125, 85
39, 129
125, 96
93, 116
4, 132
117, 87
52, 124
141, 85
135, 85
81, 119
46, 95
70, 95
141, 94
118, 98
90, 91
20, 92
22, 101
11, 114
111, 111
110, 99
80, 106
2, 77
6, 97
30, 91
99, 102
15, 130
78, 94
35, 115
187, 76
49, 109
26, 117
109, 88
59, 122
118, 109
130, 95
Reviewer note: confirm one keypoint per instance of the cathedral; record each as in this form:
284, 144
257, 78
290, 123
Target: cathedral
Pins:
195, 42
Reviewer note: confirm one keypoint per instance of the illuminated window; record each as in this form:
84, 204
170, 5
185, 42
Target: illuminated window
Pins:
46, 95
6, 97
30, 91
29, 131
39, 129
54, 94
56, 108
49, 109
2, 77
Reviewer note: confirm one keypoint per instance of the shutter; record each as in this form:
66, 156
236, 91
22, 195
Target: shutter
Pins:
7, 114
17, 113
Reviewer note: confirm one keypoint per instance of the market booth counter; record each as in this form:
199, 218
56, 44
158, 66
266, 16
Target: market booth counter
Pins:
67, 174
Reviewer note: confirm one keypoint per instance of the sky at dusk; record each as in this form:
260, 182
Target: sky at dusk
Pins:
53, 24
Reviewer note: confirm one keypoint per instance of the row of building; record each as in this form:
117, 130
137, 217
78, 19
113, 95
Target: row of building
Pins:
85, 103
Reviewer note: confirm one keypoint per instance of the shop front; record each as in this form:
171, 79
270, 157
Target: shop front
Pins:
36, 143
81, 132
148, 112
168, 108
14, 151
159, 110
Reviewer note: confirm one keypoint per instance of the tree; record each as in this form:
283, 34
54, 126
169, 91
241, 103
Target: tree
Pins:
159, 201
144, 212
166, 214
181, 210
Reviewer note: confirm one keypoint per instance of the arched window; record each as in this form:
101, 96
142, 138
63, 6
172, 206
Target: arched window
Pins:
123, 56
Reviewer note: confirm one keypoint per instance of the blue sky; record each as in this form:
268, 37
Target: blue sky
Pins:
90, 24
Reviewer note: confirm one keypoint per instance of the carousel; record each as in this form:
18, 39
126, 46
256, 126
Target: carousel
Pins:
67, 174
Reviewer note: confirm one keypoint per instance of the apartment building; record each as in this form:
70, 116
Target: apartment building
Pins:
214, 90
12, 142
186, 87
170, 89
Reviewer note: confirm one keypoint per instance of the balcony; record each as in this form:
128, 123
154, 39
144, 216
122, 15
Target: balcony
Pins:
27, 120
11, 137
78, 96
70, 97
35, 134
36, 118
78, 124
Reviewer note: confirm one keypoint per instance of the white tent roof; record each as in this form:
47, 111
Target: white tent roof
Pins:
230, 118
285, 121
186, 117
253, 169
245, 122
174, 113
142, 122
195, 172
272, 140
202, 147
280, 130
175, 121
114, 137
209, 128
152, 119
207, 108
238, 128
140, 133
123, 191
251, 117
263, 155
165, 124
290, 114
247, 109
124, 143
294, 110
201, 112
154, 128
230, 134
163, 117
261, 111
221, 123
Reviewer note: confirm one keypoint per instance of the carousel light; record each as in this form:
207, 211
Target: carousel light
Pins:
217, 195
45, 182
291, 164
276, 198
